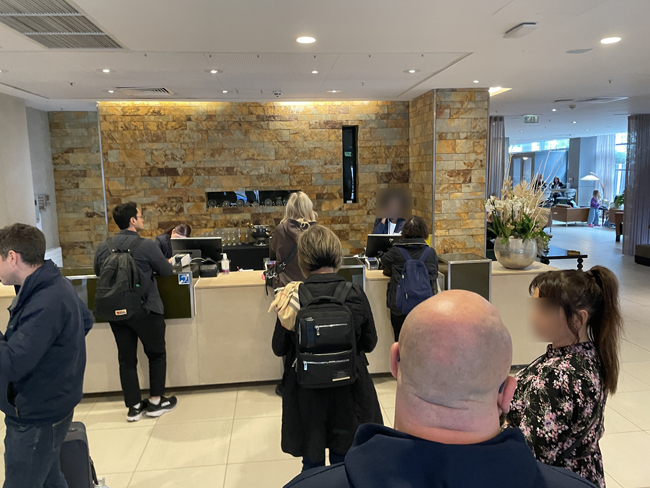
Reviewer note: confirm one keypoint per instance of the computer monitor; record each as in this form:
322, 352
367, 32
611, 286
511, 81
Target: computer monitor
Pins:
380, 243
210, 247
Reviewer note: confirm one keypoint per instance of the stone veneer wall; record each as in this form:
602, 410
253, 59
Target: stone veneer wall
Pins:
421, 116
165, 155
461, 155
78, 184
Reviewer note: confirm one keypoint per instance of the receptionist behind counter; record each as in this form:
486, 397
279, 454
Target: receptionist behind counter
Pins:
393, 207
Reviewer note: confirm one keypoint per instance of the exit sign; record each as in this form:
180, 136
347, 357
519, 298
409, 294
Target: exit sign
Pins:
531, 119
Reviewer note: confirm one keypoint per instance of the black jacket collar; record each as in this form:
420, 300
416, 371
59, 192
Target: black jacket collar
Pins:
324, 278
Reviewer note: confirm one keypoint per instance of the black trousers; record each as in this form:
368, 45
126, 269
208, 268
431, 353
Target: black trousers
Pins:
397, 321
150, 329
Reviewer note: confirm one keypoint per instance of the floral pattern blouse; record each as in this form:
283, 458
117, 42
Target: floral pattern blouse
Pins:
558, 396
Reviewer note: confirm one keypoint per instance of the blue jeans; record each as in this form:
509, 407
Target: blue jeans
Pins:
309, 464
593, 216
32, 454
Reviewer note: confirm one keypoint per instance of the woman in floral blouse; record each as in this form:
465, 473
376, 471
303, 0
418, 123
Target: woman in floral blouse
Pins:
560, 399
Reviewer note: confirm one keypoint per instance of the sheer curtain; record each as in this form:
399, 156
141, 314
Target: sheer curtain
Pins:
606, 163
496, 154
637, 184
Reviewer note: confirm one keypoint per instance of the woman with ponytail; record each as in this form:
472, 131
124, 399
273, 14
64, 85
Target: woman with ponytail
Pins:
560, 399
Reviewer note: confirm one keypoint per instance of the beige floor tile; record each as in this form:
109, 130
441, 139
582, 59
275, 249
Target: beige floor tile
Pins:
187, 445
610, 482
202, 406
118, 450
111, 414
625, 457
270, 474
636, 330
200, 477
631, 353
385, 385
256, 439
615, 423
258, 401
387, 400
633, 406
81, 410
634, 376
116, 480
389, 418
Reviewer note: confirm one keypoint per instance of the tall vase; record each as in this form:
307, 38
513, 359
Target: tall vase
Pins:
515, 253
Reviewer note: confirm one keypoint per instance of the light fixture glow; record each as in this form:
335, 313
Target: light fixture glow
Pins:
411, 71
306, 40
106, 70
575, 122
610, 40
224, 91
314, 72
554, 110
476, 81
111, 91
214, 71
497, 90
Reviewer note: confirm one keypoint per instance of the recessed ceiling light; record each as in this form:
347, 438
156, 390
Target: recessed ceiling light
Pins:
214, 71
575, 122
497, 90
610, 40
306, 40
476, 81
314, 72
106, 70
224, 91
521, 131
333, 91
111, 91
554, 110
411, 71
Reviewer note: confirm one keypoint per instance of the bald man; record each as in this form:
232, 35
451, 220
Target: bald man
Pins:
452, 366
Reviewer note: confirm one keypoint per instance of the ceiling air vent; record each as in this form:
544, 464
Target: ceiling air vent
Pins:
146, 92
54, 24
601, 99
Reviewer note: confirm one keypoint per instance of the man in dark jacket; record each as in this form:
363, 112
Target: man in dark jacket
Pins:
148, 326
388, 226
451, 364
42, 359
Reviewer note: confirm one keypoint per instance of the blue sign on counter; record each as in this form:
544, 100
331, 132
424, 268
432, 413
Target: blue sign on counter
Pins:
184, 279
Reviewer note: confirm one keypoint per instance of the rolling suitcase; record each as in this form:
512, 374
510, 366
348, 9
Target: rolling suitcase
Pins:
76, 464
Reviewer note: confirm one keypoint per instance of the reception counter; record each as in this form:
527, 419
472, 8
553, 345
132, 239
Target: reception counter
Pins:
228, 339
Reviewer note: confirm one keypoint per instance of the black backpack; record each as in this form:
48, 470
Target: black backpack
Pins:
326, 345
118, 296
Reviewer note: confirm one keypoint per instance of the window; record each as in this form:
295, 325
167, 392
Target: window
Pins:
350, 151
620, 163
539, 146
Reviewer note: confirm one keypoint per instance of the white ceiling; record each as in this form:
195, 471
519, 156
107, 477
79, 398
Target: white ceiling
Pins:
362, 48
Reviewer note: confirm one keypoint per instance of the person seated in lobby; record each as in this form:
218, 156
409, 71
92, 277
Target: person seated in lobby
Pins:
164, 241
318, 418
539, 183
557, 184
560, 399
452, 365
594, 206
411, 246
392, 206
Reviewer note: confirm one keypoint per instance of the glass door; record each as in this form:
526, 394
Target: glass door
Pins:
522, 168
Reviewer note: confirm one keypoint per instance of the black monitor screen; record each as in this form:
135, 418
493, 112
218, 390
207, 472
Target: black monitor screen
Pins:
380, 243
210, 247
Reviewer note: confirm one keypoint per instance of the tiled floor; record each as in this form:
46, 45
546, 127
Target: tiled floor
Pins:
230, 437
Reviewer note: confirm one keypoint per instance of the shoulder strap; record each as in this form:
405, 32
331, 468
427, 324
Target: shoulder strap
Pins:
342, 291
291, 255
304, 295
425, 254
109, 245
404, 253
135, 246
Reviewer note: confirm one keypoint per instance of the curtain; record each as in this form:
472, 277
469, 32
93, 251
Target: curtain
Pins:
606, 163
497, 154
637, 182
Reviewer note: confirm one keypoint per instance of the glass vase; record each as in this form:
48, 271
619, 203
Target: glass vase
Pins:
515, 253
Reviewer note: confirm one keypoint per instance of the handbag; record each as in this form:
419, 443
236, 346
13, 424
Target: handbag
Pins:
277, 269
287, 303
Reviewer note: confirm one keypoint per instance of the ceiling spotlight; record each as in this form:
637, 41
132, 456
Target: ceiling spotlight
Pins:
214, 71
521, 131
476, 81
554, 110
575, 122
497, 90
610, 40
224, 91
111, 91
333, 91
306, 40
106, 70
314, 72
411, 71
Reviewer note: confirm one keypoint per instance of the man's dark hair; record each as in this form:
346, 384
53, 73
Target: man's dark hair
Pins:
25, 240
122, 214
415, 228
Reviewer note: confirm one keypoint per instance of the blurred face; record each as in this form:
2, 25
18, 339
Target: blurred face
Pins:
548, 320
138, 221
8, 269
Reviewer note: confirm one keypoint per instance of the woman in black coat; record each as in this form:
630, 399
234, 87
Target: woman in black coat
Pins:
414, 233
326, 418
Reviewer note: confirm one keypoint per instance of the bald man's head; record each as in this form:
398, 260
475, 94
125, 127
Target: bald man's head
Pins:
454, 352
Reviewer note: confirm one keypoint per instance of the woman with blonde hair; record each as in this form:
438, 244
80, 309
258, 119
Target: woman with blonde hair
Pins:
298, 216
326, 417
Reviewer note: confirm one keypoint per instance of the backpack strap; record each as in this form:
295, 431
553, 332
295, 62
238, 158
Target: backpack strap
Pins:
291, 255
425, 254
109, 243
404, 253
342, 291
304, 295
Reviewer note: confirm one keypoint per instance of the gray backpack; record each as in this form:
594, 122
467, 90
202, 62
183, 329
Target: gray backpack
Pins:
118, 296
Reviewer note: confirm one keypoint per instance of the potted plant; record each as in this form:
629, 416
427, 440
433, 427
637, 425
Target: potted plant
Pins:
619, 201
518, 220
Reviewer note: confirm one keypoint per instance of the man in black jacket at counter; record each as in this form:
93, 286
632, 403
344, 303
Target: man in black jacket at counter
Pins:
42, 359
451, 364
149, 325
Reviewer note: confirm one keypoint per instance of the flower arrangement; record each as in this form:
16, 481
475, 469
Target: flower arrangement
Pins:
518, 213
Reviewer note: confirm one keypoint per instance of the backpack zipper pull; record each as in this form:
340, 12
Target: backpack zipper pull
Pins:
318, 330
305, 366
